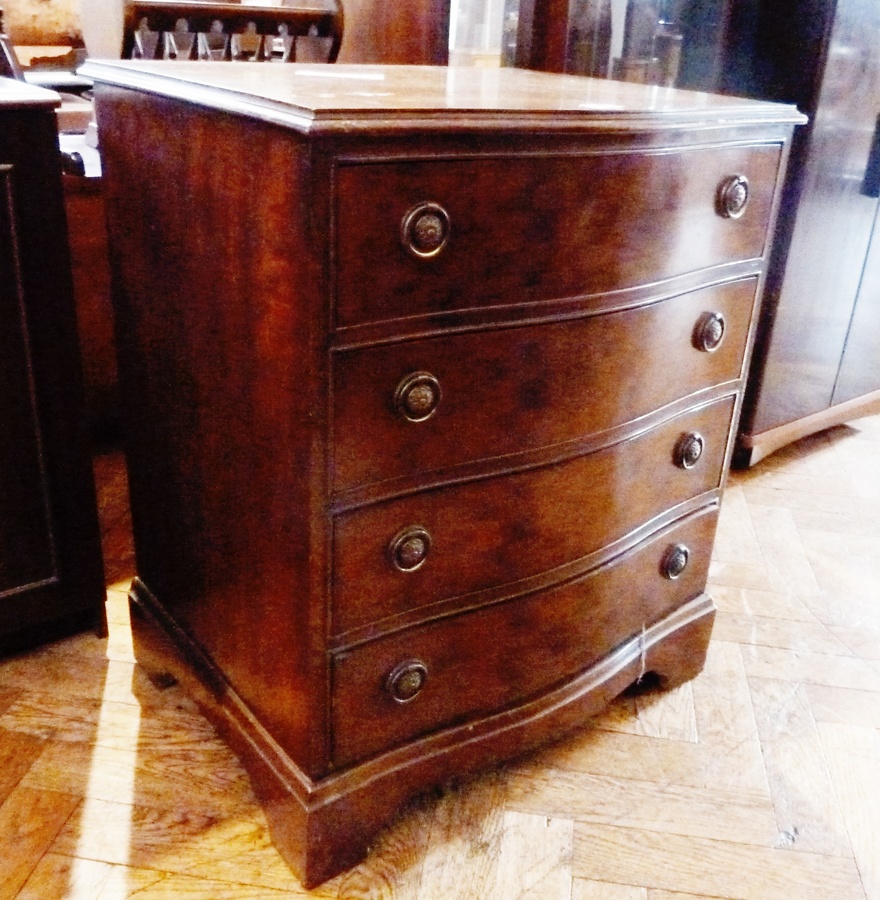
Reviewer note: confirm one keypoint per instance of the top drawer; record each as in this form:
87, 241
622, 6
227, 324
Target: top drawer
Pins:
537, 228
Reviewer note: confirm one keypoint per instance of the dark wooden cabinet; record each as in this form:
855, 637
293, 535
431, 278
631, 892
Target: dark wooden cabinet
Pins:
817, 359
681, 43
51, 578
430, 400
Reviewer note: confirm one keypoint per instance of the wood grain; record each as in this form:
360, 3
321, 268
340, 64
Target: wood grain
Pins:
631, 803
813, 668
7, 698
572, 288
840, 706
853, 755
807, 820
56, 877
603, 223
668, 715
17, 754
29, 822
584, 889
716, 867
535, 857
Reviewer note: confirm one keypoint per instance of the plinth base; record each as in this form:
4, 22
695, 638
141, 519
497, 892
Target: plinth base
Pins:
323, 827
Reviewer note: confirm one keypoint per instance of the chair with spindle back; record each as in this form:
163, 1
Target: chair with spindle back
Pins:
310, 31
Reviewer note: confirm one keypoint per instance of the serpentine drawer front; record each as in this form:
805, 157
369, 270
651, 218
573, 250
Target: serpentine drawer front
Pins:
413, 552
430, 402
525, 229
510, 390
483, 661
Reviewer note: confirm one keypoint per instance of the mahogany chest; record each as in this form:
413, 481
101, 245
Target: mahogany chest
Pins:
430, 379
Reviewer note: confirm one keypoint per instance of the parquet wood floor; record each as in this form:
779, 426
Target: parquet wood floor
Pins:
759, 780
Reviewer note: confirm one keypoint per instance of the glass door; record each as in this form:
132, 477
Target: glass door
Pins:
678, 43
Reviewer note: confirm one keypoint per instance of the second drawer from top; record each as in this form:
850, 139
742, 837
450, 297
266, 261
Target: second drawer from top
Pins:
407, 409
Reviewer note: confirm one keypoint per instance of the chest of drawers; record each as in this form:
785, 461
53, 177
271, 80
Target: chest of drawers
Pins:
430, 378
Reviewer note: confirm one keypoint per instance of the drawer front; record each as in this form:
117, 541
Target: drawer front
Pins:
486, 660
428, 404
417, 238
409, 553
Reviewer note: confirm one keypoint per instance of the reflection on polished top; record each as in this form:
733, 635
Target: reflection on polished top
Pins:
340, 97
18, 93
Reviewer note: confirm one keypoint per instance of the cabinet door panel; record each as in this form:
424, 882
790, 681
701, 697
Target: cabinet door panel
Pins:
832, 231
860, 367
51, 579
25, 539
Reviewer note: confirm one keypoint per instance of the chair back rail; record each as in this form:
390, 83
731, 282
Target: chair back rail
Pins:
163, 29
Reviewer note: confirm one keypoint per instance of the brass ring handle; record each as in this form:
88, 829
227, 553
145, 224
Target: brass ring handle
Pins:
688, 450
709, 332
406, 680
417, 396
733, 197
425, 230
409, 548
675, 561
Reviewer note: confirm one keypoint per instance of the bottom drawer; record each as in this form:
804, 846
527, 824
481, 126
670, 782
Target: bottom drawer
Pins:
415, 681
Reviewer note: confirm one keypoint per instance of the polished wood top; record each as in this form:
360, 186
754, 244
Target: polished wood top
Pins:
14, 94
319, 97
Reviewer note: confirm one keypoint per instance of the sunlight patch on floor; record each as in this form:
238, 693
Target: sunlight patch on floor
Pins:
125, 736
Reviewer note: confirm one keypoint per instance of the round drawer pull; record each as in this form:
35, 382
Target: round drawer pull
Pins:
407, 680
709, 332
688, 450
733, 196
417, 396
425, 230
675, 561
409, 548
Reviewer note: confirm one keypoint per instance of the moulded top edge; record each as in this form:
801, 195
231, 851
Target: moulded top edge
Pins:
316, 97
16, 94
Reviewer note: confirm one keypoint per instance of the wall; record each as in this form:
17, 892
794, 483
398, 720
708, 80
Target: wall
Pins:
41, 22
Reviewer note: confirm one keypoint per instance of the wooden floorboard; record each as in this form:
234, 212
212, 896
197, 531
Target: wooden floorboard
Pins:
30, 820
759, 780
